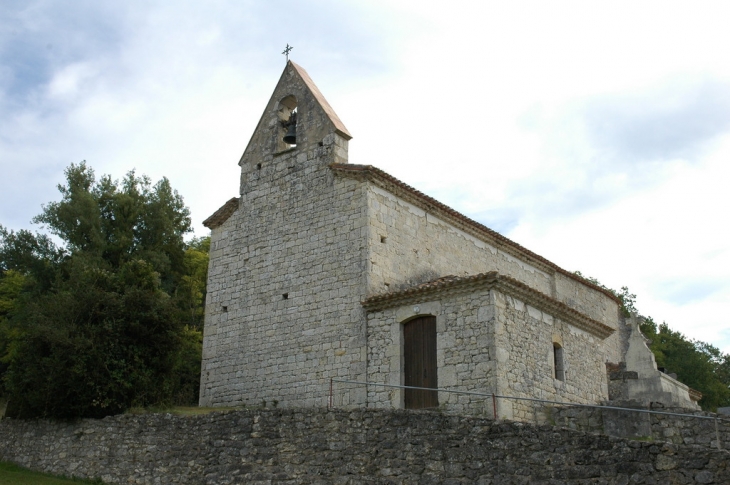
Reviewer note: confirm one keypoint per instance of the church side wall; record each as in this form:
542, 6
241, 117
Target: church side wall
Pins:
419, 247
492, 343
465, 353
286, 278
597, 306
525, 336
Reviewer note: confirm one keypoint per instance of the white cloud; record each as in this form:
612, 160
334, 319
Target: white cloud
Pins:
544, 120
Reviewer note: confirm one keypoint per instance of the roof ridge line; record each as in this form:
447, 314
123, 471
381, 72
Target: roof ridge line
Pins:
376, 174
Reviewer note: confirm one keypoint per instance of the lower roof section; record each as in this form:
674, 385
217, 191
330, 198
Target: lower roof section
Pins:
492, 280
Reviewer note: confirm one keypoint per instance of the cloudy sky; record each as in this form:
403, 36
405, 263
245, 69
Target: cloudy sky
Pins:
596, 133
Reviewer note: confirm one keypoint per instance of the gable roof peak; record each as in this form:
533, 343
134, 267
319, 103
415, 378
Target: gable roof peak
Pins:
338, 124
295, 92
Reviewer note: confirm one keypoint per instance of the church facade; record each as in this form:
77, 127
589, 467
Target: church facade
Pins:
322, 269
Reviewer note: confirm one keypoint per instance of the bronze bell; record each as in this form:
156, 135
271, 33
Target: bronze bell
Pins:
291, 134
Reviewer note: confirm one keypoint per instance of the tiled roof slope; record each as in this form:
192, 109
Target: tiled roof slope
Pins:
221, 215
429, 204
487, 281
339, 125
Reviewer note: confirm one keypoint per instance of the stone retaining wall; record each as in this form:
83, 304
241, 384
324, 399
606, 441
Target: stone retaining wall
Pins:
656, 427
346, 447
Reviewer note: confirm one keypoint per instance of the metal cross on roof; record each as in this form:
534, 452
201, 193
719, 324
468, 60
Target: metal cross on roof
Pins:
287, 51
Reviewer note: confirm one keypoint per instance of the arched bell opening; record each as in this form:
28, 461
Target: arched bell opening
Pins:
287, 117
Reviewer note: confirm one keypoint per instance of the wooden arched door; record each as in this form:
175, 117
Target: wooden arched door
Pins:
419, 336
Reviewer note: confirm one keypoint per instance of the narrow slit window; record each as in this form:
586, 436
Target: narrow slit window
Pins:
558, 362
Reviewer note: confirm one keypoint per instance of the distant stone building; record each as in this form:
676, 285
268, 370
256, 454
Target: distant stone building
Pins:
323, 269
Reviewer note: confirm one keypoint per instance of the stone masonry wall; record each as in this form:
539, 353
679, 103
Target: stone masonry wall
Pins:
284, 289
285, 280
525, 335
465, 353
655, 427
319, 447
488, 342
409, 246
419, 247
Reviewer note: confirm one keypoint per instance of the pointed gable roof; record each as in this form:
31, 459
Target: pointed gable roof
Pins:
295, 81
338, 124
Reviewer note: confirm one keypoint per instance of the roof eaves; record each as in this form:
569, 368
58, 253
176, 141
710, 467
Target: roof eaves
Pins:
488, 281
221, 215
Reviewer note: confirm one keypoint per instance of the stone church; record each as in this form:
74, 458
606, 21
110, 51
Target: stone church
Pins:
323, 269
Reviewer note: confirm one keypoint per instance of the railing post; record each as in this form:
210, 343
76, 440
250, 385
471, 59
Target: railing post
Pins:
717, 433
494, 406
329, 402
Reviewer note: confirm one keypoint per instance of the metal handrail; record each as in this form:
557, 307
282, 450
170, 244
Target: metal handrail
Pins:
494, 396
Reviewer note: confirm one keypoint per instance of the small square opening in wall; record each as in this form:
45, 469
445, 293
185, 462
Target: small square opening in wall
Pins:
225, 308
285, 296
258, 166
383, 239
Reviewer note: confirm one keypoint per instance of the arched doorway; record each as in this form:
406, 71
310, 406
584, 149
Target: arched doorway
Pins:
419, 336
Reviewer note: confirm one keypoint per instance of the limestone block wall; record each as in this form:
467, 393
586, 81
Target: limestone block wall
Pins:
315, 446
285, 282
525, 335
493, 343
680, 430
465, 351
409, 246
419, 247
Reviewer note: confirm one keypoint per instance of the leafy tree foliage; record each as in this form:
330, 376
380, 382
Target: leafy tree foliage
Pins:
697, 364
113, 318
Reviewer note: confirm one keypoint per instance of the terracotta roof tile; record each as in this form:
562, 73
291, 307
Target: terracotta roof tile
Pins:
429, 204
221, 215
339, 125
487, 281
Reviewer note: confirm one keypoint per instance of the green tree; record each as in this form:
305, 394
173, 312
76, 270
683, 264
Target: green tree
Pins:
113, 318
698, 364
191, 290
12, 284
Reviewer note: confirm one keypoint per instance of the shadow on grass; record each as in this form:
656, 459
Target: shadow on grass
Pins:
11, 474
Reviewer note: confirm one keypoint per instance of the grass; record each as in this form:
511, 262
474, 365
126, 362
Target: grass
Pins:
182, 410
14, 475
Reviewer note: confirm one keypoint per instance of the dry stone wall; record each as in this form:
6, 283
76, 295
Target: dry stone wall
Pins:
347, 447
709, 433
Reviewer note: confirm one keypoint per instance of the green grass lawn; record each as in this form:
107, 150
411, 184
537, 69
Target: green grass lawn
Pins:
14, 475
